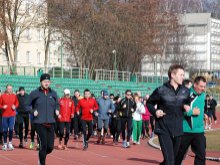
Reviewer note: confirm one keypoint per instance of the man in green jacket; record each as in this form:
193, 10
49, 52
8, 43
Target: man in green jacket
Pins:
193, 124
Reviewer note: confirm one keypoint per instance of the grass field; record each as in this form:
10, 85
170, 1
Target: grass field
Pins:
212, 140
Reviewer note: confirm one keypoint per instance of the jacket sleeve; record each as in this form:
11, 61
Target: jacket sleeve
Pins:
1, 102
16, 102
96, 107
190, 113
112, 106
121, 103
142, 109
29, 104
153, 100
73, 108
78, 106
57, 102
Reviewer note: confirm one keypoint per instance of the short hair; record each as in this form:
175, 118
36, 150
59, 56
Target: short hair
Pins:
86, 90
111, 94
186, 82
128, 90
8, 85
173, 69
198, 79
77, 90
136, 95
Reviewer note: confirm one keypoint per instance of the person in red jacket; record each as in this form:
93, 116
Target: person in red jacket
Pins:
8, 105
67, 109
88, 105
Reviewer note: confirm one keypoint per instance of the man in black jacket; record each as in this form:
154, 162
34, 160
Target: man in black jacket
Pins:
76, 122
170, 98
22, 116
45, 107
127, 108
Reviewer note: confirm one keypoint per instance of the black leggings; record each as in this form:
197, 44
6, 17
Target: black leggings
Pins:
46, 140
33, 130
63, 125
127, 121
115, 128
89, 124
26, 125
77, 124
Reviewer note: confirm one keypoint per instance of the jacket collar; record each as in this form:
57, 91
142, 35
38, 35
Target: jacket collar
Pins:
167, 84
41, 89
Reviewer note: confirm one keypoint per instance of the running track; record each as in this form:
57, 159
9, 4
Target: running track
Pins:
108, 154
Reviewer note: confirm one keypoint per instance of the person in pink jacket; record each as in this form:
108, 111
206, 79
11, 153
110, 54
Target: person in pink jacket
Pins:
145, 122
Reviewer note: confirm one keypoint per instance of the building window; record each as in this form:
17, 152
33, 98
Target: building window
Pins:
38, 35
38, 57
28, 33
28, 57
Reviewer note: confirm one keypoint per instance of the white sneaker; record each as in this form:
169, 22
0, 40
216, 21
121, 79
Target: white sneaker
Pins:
124, 144
215, 121
127, 144
10, 146
138, 142
4, 147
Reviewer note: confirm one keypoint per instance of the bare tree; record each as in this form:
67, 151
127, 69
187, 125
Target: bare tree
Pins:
17, 16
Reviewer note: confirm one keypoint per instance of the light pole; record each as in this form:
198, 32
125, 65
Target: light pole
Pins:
115, 63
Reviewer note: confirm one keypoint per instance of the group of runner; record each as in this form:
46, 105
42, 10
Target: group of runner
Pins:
109, 114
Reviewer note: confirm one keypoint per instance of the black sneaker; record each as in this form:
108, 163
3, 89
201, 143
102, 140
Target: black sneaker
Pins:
86, 146
21, 145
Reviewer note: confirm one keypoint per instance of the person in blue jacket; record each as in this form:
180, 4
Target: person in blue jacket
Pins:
106, 107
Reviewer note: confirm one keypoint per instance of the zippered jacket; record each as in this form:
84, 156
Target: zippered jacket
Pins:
172, 103
67, 109
46, 103
195, 123
126, 106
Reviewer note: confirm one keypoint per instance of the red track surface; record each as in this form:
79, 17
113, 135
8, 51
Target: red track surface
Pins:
108, 154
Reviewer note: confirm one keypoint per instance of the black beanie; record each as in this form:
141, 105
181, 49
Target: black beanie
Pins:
21, 88
44, 76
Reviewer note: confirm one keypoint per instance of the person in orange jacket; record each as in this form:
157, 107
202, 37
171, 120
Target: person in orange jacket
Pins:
8, 104
67, 109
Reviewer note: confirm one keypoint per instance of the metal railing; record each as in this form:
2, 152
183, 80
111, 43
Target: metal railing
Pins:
82, 73
70, 72
102, 74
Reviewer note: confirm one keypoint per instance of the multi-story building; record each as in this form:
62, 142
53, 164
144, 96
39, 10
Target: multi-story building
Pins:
203, 39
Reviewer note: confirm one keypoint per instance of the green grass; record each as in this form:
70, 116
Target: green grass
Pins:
212, 140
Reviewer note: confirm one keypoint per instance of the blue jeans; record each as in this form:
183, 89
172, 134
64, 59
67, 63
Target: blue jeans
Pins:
8, 124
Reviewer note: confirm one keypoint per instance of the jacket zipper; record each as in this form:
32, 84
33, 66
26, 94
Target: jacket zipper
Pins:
128, 108
66, 110
46, 107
